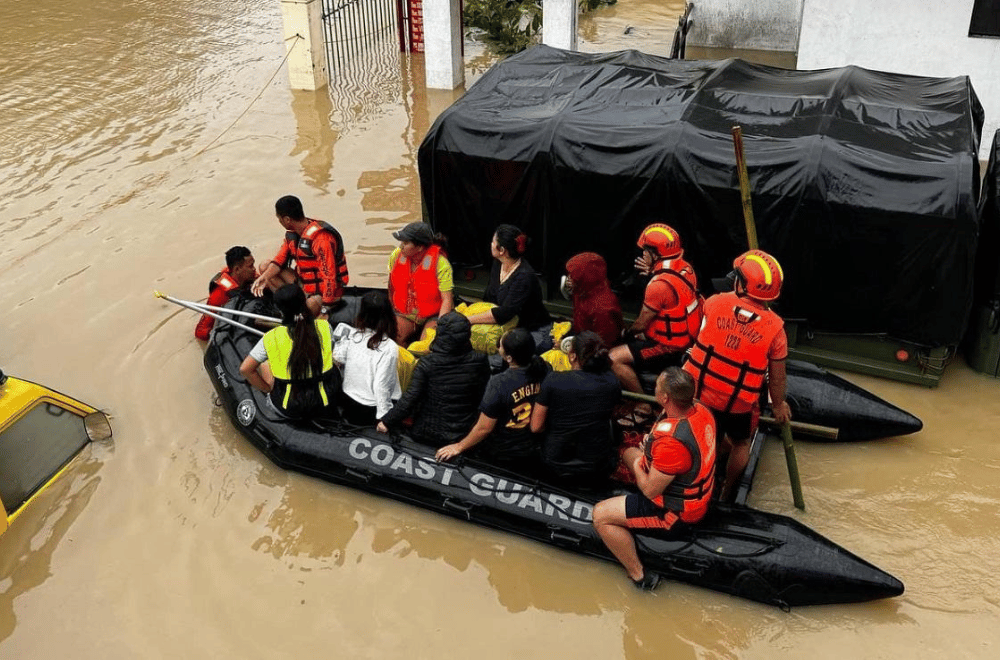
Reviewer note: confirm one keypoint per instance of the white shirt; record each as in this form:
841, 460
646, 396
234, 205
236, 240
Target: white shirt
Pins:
370, 376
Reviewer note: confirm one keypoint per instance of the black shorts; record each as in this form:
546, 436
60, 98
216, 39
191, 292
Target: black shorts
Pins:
652, 356
736, 425
643, 513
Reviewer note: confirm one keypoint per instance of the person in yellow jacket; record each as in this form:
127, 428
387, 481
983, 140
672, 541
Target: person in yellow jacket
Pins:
293, 363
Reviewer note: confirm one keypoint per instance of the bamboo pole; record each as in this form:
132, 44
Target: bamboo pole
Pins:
786, 430
741, 170
803, 428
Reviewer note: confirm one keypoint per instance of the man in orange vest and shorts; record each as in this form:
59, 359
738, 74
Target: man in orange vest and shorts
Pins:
671, 309
674, 469
741, 347
317, 251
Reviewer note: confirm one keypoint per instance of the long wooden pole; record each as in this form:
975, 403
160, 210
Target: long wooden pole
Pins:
786, 429
741, 170
804, 428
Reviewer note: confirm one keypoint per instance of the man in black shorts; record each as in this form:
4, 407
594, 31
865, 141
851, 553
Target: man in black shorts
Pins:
671, 309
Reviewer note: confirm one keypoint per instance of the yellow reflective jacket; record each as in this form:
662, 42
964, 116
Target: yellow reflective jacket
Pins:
290, 395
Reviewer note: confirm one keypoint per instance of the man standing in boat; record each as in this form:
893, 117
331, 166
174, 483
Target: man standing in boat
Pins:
741, 346
671, 309
317, 250
237, 274
674, 469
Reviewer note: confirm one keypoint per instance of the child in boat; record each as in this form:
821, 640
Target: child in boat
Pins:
369, 357
505, 411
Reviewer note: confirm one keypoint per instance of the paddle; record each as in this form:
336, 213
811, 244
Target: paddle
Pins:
202, 309
786, 429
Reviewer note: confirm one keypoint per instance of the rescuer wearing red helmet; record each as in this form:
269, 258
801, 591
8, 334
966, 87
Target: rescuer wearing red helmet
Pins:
671, 309
741, 345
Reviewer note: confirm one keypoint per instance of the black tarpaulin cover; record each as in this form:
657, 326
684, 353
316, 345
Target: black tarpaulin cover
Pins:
864, 183
987, 286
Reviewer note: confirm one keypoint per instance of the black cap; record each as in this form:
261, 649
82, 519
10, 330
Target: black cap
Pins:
416, 232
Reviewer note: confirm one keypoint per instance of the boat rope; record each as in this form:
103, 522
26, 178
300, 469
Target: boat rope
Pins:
297, 38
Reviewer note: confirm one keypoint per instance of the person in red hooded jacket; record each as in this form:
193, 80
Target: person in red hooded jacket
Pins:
595, 305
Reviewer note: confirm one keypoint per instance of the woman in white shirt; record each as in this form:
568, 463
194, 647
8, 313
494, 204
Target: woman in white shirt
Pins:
368, 356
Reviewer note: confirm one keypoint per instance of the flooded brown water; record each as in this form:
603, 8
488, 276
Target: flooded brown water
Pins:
127, 164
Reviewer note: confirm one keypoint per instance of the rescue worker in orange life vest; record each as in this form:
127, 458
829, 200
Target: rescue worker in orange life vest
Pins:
674, 469
237, 274
741, 347
316, 249
420, 280
671, 309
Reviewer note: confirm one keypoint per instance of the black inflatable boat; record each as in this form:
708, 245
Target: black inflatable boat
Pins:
737, 550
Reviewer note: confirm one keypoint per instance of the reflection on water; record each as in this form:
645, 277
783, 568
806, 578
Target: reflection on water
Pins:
315, 136
27, 547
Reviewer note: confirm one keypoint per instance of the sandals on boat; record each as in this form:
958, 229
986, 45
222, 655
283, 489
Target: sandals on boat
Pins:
648, 582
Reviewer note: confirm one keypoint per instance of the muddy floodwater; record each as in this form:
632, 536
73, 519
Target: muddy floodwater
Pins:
141, 139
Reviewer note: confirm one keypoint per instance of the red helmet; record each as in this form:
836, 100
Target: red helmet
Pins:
760, 274
662, 240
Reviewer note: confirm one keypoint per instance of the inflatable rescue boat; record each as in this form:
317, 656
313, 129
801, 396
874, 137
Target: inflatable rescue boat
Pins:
737, 550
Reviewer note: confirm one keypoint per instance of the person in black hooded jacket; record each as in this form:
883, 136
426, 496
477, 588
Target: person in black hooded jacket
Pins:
446, 388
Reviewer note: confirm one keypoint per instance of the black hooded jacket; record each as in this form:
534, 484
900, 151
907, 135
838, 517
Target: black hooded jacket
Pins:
446, 388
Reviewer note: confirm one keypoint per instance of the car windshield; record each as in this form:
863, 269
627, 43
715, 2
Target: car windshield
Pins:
34, 448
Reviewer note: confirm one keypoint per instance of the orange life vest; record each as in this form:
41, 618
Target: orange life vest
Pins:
226, 281
416, 291
688, 494
730, 354
307, 265
677, 326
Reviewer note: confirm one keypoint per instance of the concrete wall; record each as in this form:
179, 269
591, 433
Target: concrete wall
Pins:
917, 37
738, 24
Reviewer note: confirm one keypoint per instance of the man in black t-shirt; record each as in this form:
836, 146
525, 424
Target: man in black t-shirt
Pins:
504, 417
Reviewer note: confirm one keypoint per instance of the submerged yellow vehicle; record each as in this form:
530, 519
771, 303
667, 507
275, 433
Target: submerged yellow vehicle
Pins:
41, 431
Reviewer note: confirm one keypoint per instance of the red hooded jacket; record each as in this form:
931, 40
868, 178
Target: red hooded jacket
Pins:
595, 305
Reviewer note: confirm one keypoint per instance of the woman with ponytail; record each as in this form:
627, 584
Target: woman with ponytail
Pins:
505, 411
574, 409
513, 285
293, 363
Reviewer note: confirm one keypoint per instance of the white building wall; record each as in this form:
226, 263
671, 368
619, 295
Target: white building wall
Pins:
559, 23
738, 24
918, 37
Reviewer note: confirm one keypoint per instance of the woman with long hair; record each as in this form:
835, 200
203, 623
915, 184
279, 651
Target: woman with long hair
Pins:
574, 409
369, 357
505, 411
293, 362
513, 285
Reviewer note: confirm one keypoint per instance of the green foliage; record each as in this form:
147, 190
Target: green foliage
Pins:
510, 26
591, 5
